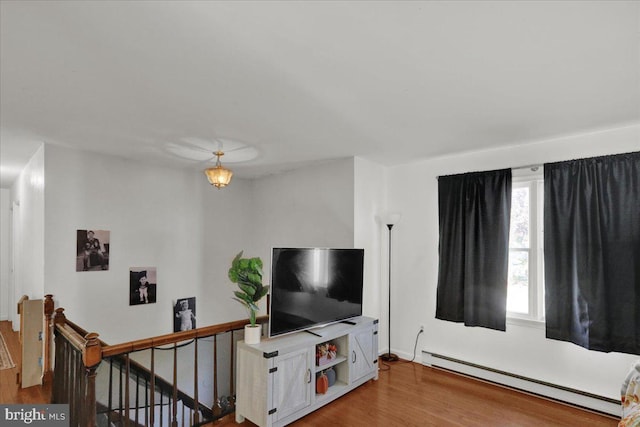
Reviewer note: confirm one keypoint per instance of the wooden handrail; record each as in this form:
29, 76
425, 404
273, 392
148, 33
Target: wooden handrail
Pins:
85, 342
147, 343
72, 336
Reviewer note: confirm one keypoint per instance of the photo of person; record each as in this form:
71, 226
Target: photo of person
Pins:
92, 252
184, 317
142, 285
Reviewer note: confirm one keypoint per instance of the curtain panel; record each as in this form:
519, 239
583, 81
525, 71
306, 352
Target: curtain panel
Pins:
474, 215
592, 252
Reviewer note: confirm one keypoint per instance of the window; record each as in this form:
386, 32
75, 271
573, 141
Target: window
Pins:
525, 295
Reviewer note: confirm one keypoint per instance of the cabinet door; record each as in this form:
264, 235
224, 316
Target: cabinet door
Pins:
292, 382
363, 354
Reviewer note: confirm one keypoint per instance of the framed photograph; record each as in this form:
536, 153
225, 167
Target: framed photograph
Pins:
142, 285
92, 250
184, 314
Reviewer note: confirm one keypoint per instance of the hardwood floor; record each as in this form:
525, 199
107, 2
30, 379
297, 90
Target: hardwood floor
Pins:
9, 389
407, 394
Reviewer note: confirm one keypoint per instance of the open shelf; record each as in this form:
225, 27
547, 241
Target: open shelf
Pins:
334, 362
338, 388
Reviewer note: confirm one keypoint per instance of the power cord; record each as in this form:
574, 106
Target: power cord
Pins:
415, 346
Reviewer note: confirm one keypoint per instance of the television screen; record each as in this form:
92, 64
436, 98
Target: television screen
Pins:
313, 287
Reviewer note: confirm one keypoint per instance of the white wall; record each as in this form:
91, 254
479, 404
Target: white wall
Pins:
225, 227
174, 220
369, 203
156, 219
311, 206
5, 245
307, 207
520, 350
28, 192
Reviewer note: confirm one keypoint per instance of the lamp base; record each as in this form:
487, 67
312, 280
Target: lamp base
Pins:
389, 357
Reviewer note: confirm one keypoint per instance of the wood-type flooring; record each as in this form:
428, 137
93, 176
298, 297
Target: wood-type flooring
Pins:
409, 394
406, 394
10, 392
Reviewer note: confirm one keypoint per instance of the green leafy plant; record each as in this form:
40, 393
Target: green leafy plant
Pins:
247, 273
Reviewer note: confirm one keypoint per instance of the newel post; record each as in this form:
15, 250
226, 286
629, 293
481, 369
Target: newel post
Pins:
60, 370
47, 374
91, 358
59, 318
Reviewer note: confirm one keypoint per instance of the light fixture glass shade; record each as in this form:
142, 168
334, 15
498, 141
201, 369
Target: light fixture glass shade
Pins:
389, 218
219, 176
393, 217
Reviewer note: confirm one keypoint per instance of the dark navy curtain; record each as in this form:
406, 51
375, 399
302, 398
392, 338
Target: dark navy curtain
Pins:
592, 252
474, 214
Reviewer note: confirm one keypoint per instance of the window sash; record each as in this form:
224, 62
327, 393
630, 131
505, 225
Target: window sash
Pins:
535, 252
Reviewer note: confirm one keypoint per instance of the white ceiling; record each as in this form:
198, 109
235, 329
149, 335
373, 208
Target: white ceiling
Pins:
308, 81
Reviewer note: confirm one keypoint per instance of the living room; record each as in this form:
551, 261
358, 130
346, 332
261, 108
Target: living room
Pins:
171, 218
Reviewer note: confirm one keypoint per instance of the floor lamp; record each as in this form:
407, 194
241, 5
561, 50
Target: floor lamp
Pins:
391, 219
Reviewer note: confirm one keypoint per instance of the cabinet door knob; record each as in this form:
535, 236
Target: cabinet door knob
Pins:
309, 376
353, 356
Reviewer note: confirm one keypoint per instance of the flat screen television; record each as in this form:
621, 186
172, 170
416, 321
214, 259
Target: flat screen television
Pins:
312, 287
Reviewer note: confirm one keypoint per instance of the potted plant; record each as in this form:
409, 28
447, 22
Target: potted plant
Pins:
247, 273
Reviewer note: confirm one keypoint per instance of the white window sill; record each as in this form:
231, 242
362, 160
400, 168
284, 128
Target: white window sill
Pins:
529, 323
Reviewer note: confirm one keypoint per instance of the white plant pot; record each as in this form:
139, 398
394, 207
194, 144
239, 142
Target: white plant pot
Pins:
252, 334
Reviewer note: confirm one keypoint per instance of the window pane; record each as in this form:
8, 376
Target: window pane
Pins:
519, 232
518, 290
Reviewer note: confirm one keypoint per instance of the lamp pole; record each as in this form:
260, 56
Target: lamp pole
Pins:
389, 357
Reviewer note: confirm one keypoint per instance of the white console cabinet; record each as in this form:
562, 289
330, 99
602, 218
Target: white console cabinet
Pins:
276, 379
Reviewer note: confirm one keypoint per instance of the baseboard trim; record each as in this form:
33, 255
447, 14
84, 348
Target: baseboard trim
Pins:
574, 397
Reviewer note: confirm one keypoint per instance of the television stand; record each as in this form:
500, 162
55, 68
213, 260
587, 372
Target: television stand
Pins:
312, 333
276, 379
348, 322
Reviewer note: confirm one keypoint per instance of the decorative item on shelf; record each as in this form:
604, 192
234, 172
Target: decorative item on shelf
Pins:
247, 273
322, 383
331, 376
325, 353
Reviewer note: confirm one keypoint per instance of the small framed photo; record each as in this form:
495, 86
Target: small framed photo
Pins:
142, 285
92, 250
184, 314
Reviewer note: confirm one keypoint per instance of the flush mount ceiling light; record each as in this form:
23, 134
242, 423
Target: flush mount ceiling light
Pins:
218, 176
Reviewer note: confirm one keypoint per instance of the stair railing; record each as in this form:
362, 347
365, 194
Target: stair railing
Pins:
134, 393
77, 356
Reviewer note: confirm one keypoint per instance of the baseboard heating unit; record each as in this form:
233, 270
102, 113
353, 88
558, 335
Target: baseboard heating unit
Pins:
556, 392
